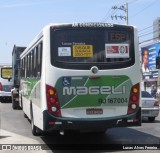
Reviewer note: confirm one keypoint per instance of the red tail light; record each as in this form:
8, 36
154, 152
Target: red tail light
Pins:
0, 86
134, 99
156, 103
52, 101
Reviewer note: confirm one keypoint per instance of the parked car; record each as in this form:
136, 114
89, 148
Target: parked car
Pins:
5, 92
150, 106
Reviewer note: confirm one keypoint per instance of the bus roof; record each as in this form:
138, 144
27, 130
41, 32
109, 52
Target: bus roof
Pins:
20, 48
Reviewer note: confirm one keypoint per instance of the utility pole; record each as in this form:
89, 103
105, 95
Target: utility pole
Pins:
123, 8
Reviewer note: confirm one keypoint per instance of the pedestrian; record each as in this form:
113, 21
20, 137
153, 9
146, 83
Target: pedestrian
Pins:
153, 91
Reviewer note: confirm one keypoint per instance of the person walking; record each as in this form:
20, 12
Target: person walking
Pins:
153, 91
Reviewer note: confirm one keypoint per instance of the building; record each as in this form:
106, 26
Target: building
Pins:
156, 28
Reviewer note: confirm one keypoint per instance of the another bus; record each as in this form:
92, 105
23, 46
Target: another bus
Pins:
81, 76
17, 50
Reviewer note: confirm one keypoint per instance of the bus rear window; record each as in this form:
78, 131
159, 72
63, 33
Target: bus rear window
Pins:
6, 73
91, 46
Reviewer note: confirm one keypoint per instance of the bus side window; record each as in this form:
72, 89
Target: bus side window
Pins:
25, 66
28, 65
32, 63
35, 61
22, 68
39, 61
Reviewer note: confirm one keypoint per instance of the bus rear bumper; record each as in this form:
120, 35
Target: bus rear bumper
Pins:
52, 123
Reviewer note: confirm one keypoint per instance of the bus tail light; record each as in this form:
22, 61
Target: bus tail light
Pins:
134, 99
52, 101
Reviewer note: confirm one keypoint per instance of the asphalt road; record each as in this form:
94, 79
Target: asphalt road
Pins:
15, 129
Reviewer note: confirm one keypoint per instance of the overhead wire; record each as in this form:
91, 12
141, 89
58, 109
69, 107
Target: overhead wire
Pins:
148, 40
110, 12
145, 28
148, 33
142, 32
145, 34
152, 3
107, 15
151, 26
113, 11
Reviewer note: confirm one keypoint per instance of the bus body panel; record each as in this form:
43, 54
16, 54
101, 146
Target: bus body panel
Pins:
81, 93
52, 123
26, 106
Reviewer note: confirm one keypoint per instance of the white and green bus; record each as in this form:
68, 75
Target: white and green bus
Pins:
81, 76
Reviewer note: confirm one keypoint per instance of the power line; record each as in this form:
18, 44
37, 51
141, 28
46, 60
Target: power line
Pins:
107, 15
148, 40
112, 12
145, 28
149, 33
148, 27
142, 32
145, 34
145, 8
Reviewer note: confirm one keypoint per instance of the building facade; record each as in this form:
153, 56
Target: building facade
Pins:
156, 28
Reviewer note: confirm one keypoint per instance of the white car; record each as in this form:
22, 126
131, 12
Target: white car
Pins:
150, 106
5, 92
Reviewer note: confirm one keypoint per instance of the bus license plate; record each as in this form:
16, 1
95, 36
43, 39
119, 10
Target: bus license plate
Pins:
94, 111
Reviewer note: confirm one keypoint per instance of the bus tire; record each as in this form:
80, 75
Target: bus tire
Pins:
35, 130
25, 116
21, 102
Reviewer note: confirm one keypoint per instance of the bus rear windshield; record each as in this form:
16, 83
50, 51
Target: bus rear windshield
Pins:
74, 48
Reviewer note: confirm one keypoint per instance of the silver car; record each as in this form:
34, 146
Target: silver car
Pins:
5, 93
150, 106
